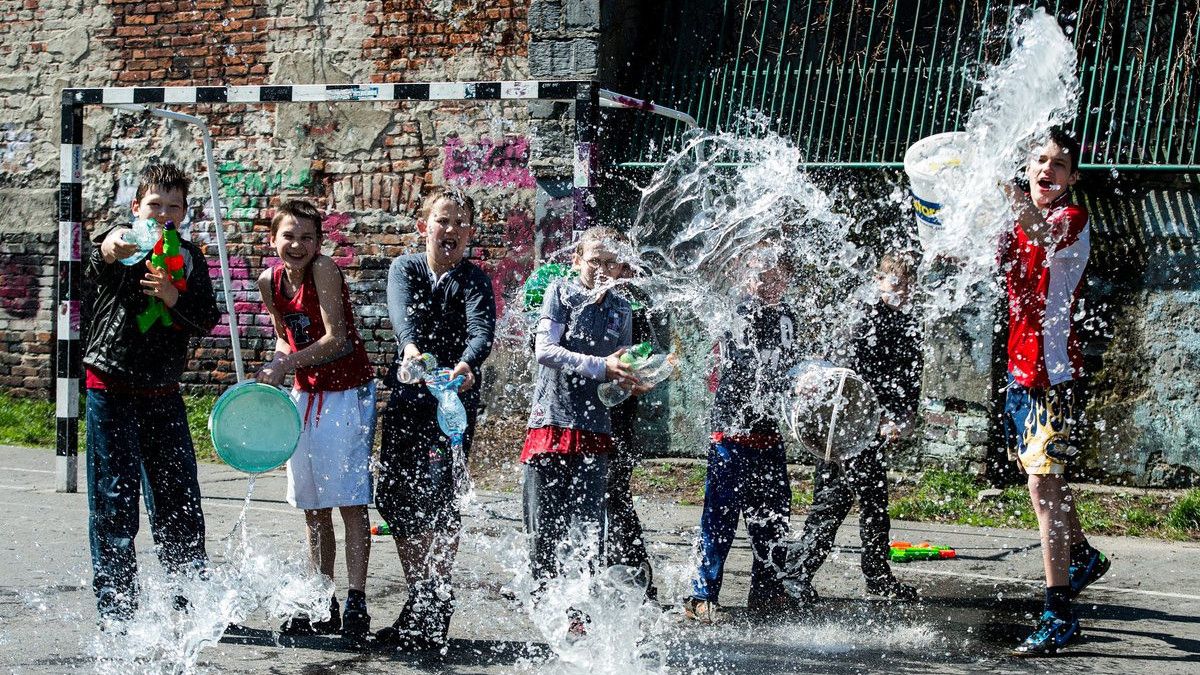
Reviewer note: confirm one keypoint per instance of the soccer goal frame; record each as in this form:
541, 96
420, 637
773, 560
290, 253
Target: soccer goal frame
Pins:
68, 350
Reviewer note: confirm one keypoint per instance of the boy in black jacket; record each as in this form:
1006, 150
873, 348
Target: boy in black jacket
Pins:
887, 355
136, 423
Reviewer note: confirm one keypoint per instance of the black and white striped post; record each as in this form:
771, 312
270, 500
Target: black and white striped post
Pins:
68, 365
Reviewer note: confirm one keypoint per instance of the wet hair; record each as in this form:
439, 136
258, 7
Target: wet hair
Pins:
1063, 139
900, 263
598, 234
453, 194
300, 210
164, 178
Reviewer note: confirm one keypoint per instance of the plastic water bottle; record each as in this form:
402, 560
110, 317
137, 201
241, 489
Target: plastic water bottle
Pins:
650, 373
650, 369
144, 233
413, 371
452, 419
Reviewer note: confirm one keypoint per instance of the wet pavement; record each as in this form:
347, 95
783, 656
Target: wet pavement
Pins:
1144, 616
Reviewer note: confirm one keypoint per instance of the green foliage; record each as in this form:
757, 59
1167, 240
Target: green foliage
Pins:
31, 422
25, 421
198, 408
1185, 514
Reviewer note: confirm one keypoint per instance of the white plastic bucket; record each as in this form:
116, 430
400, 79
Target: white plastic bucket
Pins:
931, 164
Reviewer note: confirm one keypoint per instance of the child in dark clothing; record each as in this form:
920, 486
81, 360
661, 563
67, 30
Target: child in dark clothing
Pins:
887, 355
626, 543
440, 304
747, 461
136, 424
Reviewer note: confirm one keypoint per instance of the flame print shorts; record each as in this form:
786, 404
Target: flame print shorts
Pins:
1037, 427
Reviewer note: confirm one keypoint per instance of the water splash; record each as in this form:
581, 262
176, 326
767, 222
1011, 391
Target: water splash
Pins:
1033, 88
253, 579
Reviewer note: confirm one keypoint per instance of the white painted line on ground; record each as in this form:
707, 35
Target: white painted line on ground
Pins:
14, 468
1033, 582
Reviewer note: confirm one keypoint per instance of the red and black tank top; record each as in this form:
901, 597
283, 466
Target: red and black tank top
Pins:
303, 326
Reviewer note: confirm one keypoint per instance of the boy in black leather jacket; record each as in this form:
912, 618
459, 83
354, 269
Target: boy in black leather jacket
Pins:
136, 423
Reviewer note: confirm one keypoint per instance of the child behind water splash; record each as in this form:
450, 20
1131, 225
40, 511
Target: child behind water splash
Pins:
309, 304
887, 355
747, 459
581, 334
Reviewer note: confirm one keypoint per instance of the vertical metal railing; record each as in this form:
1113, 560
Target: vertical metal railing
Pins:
854, 82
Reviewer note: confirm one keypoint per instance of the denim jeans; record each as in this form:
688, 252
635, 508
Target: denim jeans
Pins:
134, 441
747, 481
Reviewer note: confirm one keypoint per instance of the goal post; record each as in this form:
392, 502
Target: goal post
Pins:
68, 350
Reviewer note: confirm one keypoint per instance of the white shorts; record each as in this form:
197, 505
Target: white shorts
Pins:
332, 463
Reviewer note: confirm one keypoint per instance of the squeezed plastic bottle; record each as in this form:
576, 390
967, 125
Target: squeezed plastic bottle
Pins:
452, 418
649, 368
144, 233
413, 371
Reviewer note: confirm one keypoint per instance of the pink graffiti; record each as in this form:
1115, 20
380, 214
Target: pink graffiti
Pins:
508, 274
344, 252
19, 294
244, 289
489, 162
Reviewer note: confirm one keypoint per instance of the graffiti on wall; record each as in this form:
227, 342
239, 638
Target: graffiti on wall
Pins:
19, 292
503, 162
242, 186
333, 229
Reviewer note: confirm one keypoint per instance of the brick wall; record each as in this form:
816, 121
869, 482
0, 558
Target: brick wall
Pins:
365, 164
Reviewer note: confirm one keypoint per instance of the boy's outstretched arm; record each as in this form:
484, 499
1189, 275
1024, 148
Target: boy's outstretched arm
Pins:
481, 331
399, 297
196, 308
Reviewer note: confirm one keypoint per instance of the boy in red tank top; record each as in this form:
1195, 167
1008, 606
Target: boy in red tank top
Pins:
309, 304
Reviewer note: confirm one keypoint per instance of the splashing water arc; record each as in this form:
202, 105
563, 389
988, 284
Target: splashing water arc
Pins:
1034, 88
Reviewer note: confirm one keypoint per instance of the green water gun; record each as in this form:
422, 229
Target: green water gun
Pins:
167, 257
903, 551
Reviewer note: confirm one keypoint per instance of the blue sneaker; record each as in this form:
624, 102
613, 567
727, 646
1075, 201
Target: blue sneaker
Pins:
1052, 634
1084, 572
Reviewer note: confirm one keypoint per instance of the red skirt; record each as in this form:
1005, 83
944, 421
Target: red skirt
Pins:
564, 441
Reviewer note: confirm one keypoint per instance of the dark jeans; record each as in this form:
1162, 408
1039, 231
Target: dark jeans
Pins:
834, 490
131, 441
626, 545
751, 482
562, 492
413, 498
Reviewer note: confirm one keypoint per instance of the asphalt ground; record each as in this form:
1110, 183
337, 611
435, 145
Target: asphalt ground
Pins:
1143, 616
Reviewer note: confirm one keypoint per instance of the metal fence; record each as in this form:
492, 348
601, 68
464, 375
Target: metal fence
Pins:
854, 82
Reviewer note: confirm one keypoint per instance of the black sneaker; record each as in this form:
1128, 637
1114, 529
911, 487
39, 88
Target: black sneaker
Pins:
1052, 634
404, 639
1084, 572
302, 625
890, 587
356, 624
773, 607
